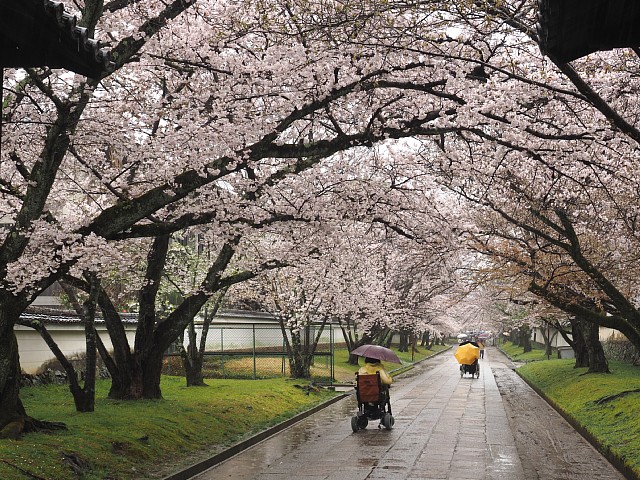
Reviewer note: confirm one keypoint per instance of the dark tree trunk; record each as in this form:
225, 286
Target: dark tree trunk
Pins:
350, 336
525, 338
191, 360
404, 342
516, 337
193, 355
12, 414
14, 420
353, 359
597, 360
85, 396
84, 400
425, 340
301, 348
388, 338
193, 373
299, 357
547, 340
152, 374
579, 344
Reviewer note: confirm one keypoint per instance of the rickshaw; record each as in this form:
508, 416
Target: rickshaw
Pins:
467, 355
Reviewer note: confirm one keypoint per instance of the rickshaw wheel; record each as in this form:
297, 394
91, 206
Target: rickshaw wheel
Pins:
354, 424
461, 371
388, 421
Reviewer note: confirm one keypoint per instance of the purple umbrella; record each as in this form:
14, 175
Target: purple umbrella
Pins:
377, 352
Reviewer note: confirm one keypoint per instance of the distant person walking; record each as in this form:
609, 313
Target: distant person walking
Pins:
481, 345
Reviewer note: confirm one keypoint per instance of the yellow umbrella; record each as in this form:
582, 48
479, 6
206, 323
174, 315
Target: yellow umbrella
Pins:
467, 353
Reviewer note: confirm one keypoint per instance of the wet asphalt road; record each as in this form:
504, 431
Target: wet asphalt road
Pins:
446, 427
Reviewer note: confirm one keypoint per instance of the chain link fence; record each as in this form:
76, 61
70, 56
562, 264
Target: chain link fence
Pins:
255, 351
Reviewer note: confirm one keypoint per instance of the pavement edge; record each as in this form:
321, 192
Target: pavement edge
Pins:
200, 467
613, 459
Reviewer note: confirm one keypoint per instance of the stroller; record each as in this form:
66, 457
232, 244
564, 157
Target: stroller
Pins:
373, 403
467, 355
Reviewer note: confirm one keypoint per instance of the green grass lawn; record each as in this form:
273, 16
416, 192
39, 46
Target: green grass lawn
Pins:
606, 405
517, 353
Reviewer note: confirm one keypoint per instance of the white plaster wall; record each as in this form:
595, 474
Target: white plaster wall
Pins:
70, 338
558, 341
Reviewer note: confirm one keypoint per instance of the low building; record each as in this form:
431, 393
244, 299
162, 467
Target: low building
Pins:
67, 329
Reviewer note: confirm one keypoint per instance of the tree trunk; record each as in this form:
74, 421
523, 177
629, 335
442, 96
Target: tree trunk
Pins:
404, 341
516, 337
597, 360
12, 414
191, 361
193, 373
84, 397
152, 374
192, 357
126, 381
14, 420
367, 338
546, 337
425, 340
388, 338
299, 361
579, 344
525, 334
353, 359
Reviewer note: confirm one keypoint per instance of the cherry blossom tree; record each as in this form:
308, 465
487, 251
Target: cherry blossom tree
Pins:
215, 107
547, 161
204, 97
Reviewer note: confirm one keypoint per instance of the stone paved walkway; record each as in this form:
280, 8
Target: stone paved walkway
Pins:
446, 427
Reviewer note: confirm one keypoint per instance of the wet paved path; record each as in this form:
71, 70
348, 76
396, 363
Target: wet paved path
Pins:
446, 427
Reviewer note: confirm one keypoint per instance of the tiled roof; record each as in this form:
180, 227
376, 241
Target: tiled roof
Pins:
570, 29
37, 33
65, 317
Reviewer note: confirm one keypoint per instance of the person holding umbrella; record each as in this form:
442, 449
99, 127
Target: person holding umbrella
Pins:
373, 403
372, 366
373, 354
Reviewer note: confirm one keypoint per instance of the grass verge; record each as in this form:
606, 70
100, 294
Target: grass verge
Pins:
605, 406
516, 353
